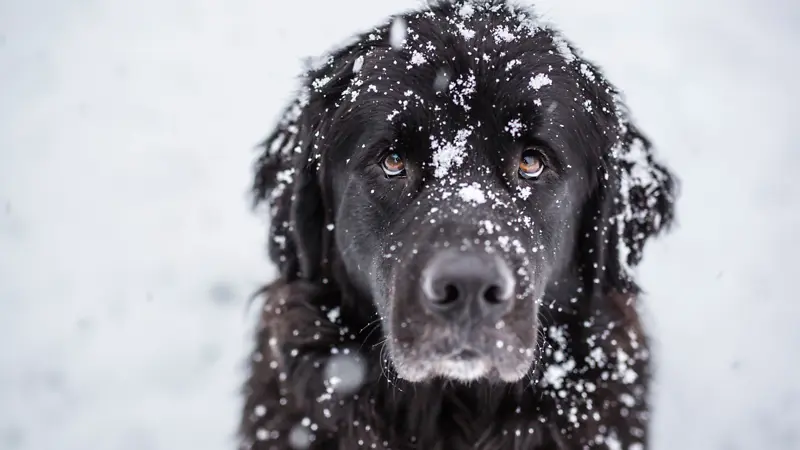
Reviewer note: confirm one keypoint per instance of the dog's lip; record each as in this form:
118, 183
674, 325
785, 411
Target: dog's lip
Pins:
465, 354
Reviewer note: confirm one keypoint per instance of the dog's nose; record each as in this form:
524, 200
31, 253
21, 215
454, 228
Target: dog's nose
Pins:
480, 285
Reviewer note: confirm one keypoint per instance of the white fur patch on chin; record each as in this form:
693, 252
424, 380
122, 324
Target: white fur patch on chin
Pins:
513, 376
461, 370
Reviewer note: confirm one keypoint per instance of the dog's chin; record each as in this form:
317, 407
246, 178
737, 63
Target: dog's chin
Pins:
460, 370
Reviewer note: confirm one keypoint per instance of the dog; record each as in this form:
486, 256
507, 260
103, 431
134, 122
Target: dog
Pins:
458, 201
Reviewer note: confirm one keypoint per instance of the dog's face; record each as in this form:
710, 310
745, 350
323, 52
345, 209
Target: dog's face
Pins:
458, 165
456, 227
456, 198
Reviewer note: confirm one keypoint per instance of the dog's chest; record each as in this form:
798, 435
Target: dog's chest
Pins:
448, 435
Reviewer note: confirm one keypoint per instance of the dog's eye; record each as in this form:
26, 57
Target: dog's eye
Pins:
393, 165
531, 164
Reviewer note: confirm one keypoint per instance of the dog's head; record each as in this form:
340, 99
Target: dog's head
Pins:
458, 163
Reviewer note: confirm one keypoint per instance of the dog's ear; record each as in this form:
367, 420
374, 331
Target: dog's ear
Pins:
633, 201
287, 171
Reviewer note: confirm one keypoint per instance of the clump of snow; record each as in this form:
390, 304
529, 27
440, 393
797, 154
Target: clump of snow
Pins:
637, 173
514, 62
524, 192
397, 33
417, 58
587, 72
488, 226
502, 34
334, 314
447, 155
466, 32
319, 83
466, 11
563, 48
472, 193
540, 80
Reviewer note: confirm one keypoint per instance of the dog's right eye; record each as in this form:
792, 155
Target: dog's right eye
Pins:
393, 165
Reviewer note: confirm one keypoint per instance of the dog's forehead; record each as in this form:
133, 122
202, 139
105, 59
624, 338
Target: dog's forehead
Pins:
449, 72
459, 77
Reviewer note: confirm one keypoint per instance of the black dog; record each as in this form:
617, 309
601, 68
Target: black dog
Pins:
457, 200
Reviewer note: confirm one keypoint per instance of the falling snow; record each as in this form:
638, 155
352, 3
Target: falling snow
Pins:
397, 33
344, 373
343, 376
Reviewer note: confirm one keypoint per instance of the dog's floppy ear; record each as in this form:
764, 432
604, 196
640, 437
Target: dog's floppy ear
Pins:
287, 172
634, 201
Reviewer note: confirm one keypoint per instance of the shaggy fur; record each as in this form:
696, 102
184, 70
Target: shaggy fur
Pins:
460, 90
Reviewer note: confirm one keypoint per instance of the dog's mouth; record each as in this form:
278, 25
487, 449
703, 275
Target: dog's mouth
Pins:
493, 356
465, 317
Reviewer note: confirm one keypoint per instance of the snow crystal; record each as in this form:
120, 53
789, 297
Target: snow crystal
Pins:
514, 127
524, 192
260, 410
329, 227
539, 81
472, 193
397, 33
333, 314
447, 155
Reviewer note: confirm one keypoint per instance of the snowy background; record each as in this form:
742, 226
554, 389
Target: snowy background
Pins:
127, 249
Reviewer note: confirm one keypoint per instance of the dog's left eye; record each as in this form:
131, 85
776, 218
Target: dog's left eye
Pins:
531, 164
393, 165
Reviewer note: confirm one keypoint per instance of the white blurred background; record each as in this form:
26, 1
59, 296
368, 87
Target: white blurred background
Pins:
127, 249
